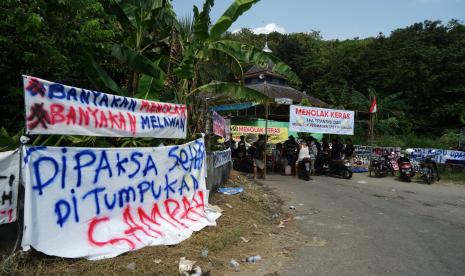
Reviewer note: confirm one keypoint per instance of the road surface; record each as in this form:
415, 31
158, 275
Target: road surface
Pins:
371, 226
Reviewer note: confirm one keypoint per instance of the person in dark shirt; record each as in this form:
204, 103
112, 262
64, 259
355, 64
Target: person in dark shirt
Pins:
290, 152
349, 150
241, 148
336, 150
325, 145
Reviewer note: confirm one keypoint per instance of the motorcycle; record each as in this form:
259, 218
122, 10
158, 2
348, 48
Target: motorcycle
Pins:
405, 169
338, 168
303, 169
382, 166
429, 170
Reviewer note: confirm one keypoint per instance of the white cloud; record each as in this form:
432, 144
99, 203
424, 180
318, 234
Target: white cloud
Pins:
269, 28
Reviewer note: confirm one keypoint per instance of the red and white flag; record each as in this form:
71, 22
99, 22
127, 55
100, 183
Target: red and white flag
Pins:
373, 107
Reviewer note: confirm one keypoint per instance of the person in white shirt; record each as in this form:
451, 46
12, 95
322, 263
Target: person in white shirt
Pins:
313, 152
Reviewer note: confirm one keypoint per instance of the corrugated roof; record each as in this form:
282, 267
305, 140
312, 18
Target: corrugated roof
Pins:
281, 91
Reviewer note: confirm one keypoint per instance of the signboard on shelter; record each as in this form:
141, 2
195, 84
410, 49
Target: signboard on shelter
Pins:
321, 120
276, 134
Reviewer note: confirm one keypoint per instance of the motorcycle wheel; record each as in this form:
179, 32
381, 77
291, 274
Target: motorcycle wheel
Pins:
378, 173
429, 178
346, 174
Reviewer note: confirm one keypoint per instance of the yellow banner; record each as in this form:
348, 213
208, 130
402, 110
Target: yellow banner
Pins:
276, 134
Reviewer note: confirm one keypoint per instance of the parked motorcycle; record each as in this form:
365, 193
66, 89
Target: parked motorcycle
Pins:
338, 168
405, 169
429, 170
303, 169
382, 166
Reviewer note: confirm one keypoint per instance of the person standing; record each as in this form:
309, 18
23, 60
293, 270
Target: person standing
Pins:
241, 148
336, 150
349, 150
313, 152
259, 156
325, 145
290, 152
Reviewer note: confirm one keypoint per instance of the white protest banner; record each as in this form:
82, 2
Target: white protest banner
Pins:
53, 108
99, 203
222, 158
218, 124
9, 179
320, 120
452, 157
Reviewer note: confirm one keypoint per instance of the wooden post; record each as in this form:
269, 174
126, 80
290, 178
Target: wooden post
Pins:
266, 136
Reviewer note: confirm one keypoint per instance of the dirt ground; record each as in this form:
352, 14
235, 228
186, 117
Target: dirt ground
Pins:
255, 225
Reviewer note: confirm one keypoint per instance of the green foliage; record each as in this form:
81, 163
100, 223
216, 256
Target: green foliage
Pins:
417, 75
236, 9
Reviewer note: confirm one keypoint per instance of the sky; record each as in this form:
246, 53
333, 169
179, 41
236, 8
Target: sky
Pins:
335, 19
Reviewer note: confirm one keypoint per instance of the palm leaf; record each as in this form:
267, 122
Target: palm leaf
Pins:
96, 74
202, 20
237, 8
137, 61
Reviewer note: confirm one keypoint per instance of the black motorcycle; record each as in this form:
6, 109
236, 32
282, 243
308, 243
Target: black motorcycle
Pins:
381, 166
429, 170
325, 166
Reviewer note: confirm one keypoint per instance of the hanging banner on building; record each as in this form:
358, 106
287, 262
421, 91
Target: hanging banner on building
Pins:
9, 179
321, 120
218, 124
221, 158
227, 130
276, 134
99, 203
53, 108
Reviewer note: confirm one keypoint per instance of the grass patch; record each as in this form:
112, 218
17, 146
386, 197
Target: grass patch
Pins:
456, 177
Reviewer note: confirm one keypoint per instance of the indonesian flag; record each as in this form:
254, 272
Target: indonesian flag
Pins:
373, 107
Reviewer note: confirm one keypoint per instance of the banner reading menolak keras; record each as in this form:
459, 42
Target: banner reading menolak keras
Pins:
9, 182
53, 108
99, 203
320, 120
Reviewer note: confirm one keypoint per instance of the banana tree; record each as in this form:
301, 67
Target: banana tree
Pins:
146, 29
202, 43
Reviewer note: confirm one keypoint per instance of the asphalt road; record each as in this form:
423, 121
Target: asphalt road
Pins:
370, 226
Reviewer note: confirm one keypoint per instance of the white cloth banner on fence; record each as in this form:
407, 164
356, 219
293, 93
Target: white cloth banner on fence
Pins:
9, 180
218, 124
221, 157
99, 203
53, 108
440, 156
320, 120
